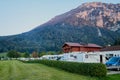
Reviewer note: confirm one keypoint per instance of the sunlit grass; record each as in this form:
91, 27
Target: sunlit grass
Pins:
16, 70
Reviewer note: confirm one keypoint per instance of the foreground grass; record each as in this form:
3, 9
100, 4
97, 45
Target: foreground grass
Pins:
16, 70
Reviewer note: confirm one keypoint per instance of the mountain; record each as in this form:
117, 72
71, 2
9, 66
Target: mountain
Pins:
92, 14
93, 22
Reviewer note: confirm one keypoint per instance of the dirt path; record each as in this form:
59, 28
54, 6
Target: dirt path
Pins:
113, 72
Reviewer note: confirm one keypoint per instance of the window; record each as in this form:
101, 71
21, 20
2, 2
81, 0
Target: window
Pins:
75, 57
86, 56
71, 55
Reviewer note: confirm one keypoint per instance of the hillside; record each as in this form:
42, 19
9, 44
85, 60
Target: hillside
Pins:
94, 22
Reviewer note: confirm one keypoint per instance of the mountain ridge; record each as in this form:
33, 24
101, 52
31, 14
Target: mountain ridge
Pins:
94, 14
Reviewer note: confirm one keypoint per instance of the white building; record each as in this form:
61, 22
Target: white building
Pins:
75, 57
90, 57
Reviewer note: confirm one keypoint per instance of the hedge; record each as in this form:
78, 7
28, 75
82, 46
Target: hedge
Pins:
91, 69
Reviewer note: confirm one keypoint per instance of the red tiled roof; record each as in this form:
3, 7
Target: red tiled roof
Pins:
82, 45
111, 48
92, 45
73, 44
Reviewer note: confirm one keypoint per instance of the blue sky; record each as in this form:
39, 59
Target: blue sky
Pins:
18, 16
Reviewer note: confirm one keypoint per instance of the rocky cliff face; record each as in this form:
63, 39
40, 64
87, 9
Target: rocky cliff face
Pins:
92, 14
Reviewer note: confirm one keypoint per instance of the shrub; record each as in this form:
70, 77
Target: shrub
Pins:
92, 69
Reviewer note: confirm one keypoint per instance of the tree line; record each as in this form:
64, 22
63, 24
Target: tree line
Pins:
34, 54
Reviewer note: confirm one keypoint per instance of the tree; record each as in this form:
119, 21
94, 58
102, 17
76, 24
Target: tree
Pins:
26, 55
117, 42
41, 54
34, 54
59, 52
13, 54
50, 53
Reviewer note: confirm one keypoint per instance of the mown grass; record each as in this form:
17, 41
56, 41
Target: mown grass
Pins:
16, 70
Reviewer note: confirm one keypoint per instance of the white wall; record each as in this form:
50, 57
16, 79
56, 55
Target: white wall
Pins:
92, 57
74, 57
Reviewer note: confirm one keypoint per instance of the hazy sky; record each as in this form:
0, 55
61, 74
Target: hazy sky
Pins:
18, 16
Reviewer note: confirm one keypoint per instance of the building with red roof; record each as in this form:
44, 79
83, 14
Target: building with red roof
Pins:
77, 47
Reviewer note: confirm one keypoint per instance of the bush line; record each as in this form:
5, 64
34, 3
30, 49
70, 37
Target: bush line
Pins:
91, 69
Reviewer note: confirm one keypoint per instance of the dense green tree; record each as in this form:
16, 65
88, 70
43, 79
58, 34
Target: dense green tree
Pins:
13, 54
60, 52
117, 42
51, 53
41, 54
26, 55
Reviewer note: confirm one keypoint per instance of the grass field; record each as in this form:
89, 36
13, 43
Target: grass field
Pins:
16, 70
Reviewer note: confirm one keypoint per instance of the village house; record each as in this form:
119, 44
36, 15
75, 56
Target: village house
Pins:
76, 47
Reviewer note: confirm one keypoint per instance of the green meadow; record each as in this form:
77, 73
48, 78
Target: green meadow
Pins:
16, 70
